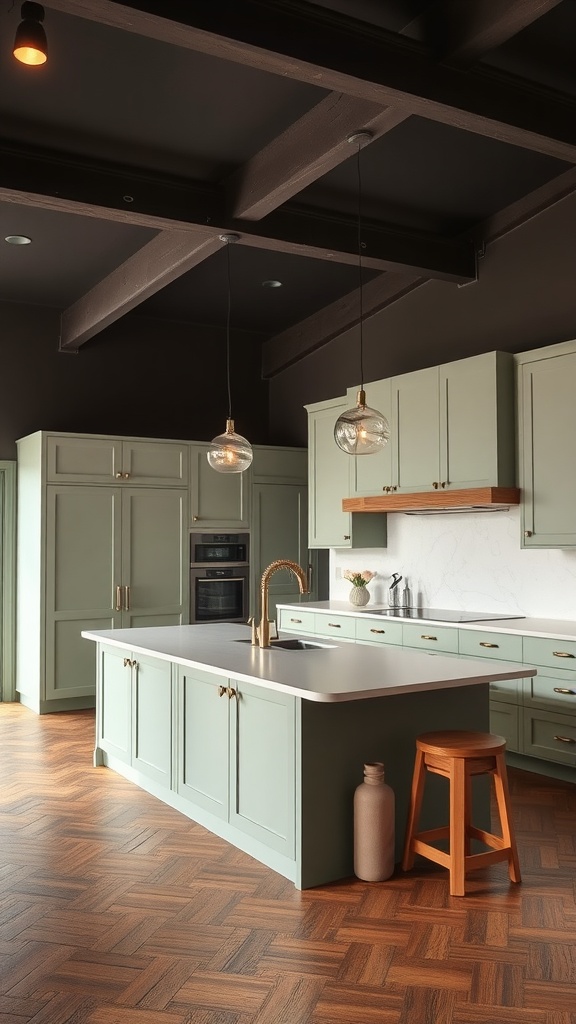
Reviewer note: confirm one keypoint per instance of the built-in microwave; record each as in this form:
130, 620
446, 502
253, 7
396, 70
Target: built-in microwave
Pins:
219, 548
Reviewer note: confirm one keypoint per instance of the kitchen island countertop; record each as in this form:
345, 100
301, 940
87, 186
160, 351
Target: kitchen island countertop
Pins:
332, 673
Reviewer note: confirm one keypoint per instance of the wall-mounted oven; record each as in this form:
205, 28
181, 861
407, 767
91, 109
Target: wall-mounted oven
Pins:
219, 577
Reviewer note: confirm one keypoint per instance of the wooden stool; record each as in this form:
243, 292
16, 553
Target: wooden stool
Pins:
458, 756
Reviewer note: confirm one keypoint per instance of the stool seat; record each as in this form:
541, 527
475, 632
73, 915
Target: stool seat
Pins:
459, 755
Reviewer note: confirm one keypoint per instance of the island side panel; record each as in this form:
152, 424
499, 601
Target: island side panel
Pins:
337, 739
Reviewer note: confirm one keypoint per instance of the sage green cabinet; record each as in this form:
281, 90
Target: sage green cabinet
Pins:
217, 500
547, 429
72, 458
329, 482
236, 755
134, 721
89, 556
453, 425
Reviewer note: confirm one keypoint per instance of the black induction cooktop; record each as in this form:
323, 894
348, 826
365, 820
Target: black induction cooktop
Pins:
440, 614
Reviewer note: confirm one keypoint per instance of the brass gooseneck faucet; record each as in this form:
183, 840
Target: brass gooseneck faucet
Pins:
261, 633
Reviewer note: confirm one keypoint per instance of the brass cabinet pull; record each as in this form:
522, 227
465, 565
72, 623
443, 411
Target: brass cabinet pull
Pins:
296, 620
118, 476
231, 692
221, 691
564, 739
346, 536
310, 577
484, 643
118, 599
435, 485
443, 484
563, 654
564, 689
425, 636
126, 476
335, 625
127, 662
126, 598
377, 630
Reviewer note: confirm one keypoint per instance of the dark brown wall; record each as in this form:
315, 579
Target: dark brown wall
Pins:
525, 298
140, 377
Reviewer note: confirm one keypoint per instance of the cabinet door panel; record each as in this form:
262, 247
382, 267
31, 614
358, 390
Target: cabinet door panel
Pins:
154, 554
83, 459
329, 483
548, 429
218, 500
152, 733
203, 744
469, 423
71, 660
155, 462
416, 430
262, 767
115, 682
371, 473
279, 530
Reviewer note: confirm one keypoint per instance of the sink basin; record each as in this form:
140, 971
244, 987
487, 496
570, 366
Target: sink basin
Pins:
293, 644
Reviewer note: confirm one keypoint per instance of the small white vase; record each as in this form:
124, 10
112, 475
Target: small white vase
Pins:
359, 596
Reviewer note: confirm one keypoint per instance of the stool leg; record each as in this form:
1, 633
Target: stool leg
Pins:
505, 812
459, 815
417, 792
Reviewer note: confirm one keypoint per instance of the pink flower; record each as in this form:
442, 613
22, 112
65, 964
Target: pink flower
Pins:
359, 579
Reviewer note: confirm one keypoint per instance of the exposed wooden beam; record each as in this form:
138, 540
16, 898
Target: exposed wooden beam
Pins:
160, 261
93, 189
317, 330
302, 154
312, 44
474, 29
463, 32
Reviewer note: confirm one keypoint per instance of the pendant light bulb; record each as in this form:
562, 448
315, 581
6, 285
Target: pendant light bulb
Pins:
361, 430
229, 452
30, 43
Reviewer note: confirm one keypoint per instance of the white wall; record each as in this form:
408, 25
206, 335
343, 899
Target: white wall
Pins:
465, 561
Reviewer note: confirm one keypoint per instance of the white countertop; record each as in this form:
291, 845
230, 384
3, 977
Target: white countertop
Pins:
339, 672
554, 629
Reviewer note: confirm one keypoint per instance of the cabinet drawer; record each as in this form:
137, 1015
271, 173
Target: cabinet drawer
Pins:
341, 627
552, 689
550, 735
430, 638
296, 621
559, 654
501, 646
377, 631
505, 721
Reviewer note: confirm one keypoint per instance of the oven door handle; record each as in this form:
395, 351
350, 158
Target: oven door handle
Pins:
221, 579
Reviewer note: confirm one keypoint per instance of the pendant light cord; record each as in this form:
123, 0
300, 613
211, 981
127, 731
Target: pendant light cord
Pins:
360, 274
229, 305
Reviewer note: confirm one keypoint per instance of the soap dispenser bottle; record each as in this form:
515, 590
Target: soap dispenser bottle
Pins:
406, 596
394, 591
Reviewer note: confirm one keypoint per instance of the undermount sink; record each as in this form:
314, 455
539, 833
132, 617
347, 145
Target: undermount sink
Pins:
293, 644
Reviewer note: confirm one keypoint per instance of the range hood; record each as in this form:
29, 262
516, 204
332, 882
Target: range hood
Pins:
473, 499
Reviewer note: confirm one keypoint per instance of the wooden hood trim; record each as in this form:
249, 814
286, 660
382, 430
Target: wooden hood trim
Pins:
470, 499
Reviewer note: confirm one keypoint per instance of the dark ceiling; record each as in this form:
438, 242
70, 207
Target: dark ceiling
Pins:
147, 135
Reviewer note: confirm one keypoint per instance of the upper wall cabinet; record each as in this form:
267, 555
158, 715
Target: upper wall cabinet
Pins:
218, 500
453, 425
75, 459
547, 431
329, 471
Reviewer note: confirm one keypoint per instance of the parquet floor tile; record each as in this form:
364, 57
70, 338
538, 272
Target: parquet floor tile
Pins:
116, 909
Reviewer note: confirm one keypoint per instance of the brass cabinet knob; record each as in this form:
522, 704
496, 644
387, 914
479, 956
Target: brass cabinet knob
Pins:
118, 476
527, 533
126, 476
435, 485
221, 691
231, 692
346, 536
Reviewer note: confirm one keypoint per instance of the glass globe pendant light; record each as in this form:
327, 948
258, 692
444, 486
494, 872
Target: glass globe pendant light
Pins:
229, 452
361, 430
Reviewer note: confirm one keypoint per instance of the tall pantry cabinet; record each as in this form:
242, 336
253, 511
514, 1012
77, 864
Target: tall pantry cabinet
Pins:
102, 544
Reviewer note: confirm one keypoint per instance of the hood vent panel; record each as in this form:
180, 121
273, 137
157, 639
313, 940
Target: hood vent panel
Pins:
474, 499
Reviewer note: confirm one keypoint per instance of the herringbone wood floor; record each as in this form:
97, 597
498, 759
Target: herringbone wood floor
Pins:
115, 909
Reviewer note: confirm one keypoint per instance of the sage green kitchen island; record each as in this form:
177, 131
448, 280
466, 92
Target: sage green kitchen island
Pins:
264, 747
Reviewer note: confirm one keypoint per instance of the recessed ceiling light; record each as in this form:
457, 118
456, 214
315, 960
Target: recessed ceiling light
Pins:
18, 239
271, 284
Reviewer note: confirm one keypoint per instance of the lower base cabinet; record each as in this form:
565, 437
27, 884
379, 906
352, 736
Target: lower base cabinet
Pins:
236, 755
134, 711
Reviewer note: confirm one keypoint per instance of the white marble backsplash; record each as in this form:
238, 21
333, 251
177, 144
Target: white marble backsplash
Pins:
466, 562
